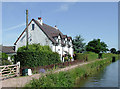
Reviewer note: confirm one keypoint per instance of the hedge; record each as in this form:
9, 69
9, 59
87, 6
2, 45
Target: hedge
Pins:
88, 56
36, 55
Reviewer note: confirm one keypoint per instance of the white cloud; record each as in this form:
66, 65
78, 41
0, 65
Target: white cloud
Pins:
65, 6
14, 27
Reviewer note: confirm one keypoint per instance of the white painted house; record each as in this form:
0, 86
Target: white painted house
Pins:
38, 32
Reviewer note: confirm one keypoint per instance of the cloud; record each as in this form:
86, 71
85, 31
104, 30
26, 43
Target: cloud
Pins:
65, 6
14, 27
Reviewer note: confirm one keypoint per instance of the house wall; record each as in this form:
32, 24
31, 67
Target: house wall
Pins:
59, 50
34, 36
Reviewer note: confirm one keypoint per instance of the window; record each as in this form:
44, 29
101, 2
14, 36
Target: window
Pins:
33, 26
59, 41
30, 39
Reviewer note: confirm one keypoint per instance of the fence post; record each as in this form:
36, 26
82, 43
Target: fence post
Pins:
18, 68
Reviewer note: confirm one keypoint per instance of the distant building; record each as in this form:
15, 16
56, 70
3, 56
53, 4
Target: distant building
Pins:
9, 50
38, 32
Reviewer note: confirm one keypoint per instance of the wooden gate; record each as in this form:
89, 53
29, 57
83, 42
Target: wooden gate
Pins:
8, 71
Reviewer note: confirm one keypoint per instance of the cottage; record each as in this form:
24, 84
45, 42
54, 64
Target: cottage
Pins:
9, 50
39, 32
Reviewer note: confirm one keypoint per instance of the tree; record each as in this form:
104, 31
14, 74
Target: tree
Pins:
118, 52
4, 56
113, 50
78, 44
96, 46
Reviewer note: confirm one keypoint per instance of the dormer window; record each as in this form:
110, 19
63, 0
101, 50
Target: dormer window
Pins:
33, 26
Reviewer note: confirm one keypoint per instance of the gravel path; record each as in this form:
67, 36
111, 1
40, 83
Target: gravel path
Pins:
21, 81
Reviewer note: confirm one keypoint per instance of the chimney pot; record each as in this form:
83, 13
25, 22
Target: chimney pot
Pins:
39, 18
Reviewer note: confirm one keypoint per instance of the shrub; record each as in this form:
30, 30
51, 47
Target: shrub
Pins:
5, 62
70, 58
65, 59
4, 56
36, 55
81, 56
87, 56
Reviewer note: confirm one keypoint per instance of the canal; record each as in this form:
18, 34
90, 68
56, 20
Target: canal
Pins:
105, 77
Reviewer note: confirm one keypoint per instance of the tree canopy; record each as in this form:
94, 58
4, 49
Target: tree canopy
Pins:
113, 50
78, 44
96, 46
118, 52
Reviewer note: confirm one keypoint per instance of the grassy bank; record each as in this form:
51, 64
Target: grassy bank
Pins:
68, 78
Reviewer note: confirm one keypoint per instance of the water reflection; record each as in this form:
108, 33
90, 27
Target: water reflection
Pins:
106, 77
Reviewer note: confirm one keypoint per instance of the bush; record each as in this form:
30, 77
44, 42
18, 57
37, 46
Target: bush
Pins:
36, 55
87, 56
4, 56
65, 59
5, 62
81, 56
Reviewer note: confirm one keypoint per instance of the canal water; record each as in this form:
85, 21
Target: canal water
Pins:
105, 77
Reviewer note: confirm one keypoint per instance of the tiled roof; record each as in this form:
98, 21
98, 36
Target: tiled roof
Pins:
50, 32
8, 49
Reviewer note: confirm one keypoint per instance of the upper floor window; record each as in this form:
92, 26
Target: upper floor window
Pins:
33, 26
59, 41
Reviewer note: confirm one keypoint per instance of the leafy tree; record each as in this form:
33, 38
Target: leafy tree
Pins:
118, 52
96, 46
78, 44
113, 50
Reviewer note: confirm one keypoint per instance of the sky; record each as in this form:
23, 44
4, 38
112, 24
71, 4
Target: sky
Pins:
91, 20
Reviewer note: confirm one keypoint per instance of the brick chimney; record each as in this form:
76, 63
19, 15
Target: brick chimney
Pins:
40, 20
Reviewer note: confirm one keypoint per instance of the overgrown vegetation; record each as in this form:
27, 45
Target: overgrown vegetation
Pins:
87, 56
68, 78
36, 55
4, 59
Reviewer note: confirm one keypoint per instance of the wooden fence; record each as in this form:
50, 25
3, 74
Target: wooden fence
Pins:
8, 71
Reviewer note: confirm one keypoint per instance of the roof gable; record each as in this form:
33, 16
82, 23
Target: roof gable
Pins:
49, 31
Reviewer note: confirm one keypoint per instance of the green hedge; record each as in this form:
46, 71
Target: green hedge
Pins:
81, 56
36, 55
93, 56
89, 56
